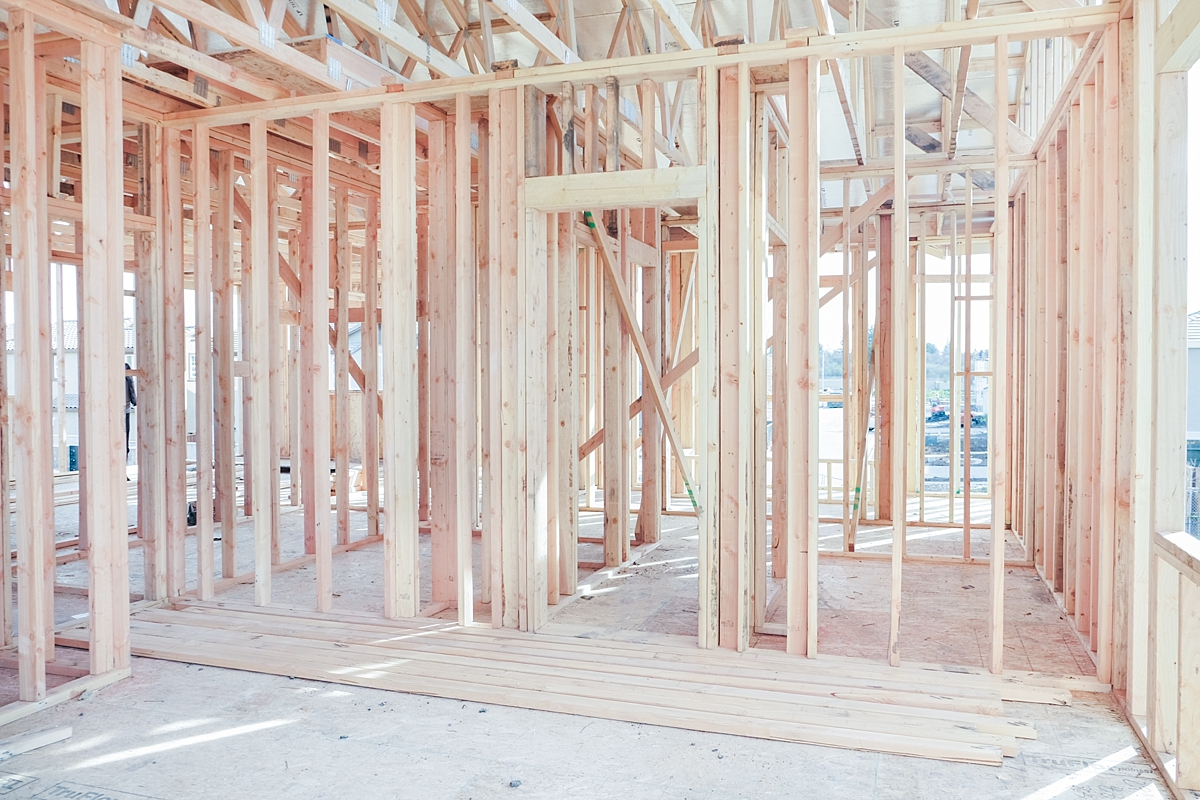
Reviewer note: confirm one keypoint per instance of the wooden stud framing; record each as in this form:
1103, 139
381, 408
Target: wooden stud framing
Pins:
532, 273
568, 366
340, 419
464, 396
262, 261
650, 505
488, 319
30, 421
171, 558
370, 357
803, 360
276, 338
707, 443
1108, 316
103, 386
151, 434
315, 305
899, 487
225, 468
1167, 454
491, 578
616, 421
735, 369
398, 303
203, 249
998, 460
444, 308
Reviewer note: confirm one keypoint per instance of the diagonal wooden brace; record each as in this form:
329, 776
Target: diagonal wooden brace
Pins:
639, 344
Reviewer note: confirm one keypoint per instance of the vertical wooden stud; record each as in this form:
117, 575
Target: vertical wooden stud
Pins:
202, 247
1109, 281
399, 312
736, 409
174, 370
802, 289
490, 333
261, 261
899, 356
615, 390
277, 339
225, 469
707, 443
103, 383
998, 414
568, 366
29, 422
650, 511
316, 390
370, 356
341, 362
6, 563
465, 418
443, 309
160, 554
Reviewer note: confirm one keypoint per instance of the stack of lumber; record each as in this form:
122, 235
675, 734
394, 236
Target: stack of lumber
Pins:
841, 703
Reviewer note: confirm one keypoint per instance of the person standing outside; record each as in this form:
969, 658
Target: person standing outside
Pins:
130, 404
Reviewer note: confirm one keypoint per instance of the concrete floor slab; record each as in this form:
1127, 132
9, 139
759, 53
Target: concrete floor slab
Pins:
183, 731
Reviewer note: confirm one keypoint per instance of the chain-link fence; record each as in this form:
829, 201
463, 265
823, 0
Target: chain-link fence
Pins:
1192, 499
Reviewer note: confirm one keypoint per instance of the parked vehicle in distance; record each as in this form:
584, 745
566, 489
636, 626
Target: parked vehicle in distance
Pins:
978, 418
937, 413
830, 399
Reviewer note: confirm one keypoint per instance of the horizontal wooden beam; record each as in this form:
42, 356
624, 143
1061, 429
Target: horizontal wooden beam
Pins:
69, 18
20, 709
880, 39
917, 165
635, 188
928, 144
677, 66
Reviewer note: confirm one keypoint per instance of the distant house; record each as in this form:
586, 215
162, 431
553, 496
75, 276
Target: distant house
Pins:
71, 341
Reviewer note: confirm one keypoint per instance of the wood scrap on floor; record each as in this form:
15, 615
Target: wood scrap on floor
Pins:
950, 716
16, 745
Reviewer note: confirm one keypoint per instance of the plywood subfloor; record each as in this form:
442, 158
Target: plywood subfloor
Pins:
943, 616
930, 713
178, 730
943, 606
